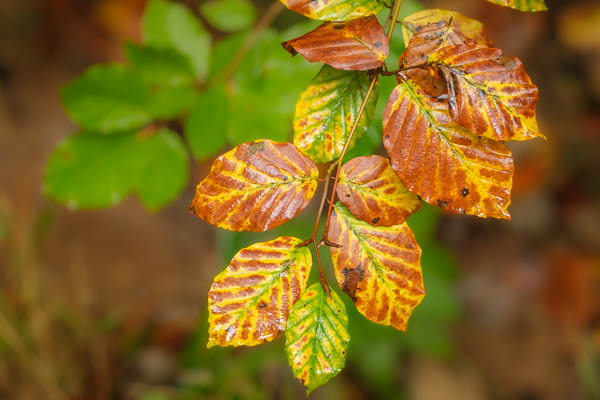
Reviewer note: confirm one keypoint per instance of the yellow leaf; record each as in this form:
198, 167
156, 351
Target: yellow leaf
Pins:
250, 300
378, 267
256, 186
443, 162
468, 27
522, 5
489, 95
327, 109
373, 192
334, 10
316, 337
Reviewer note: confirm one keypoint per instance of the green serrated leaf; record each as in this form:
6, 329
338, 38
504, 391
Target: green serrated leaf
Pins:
229, 15
522, 5
107, 99
166, 169
327, 109
160, 66
174, 26
316, 337
205, 128
171, 102
89, 170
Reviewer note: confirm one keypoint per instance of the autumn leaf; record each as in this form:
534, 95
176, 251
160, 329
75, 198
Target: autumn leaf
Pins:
360, 44
250, 300
443, 162
378, 267
316, 337
334, 10
327, 109
256, 186
373, 192
489, 95
522, 5
435, 19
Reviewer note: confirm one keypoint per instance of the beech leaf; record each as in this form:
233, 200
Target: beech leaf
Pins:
250, 300
256, 186
489, 95
378, 267
316, 337
522, 5
360, 44
334, 10
327, 109
437, 18
440, 160
373, 192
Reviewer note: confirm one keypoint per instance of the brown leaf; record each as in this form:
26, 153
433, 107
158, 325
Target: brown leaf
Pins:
373, 192
378, 267
489, 95
360, 44
256, 186
443, 162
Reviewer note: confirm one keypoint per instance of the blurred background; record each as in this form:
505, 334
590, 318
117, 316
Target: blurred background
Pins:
111, 303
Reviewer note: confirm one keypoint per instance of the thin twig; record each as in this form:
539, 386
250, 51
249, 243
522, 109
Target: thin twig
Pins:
265, 21
325, 236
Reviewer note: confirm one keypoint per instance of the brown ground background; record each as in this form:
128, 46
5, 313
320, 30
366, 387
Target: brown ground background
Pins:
529, 287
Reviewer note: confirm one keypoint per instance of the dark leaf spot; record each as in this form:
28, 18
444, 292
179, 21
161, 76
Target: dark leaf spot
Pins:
375, 220
256, 147
464, 192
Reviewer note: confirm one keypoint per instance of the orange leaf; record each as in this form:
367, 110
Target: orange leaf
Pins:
443, 162
256, 186
378, 267
489, 95
373, 192
360, 44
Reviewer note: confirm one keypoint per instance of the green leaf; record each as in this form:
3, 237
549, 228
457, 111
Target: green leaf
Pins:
166, 169
171, 102
229, 15
108, 98
206, 126
89, 170
259, 106
522, 5
316, 337
328, 108
160, 67
174, 26
224, 51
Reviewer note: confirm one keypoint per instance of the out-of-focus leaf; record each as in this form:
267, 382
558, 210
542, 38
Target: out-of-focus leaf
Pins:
256, 186
171, 102
378, 267
229, 15
160, 67
166, 169
328, 108
316, 337
373, 192
259, 108
522, 5
90, 171
468, 27
108, 98
489, 95
172, 25
334, 10
443, 162
360, 44
205, 128
224, 51
250, 300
